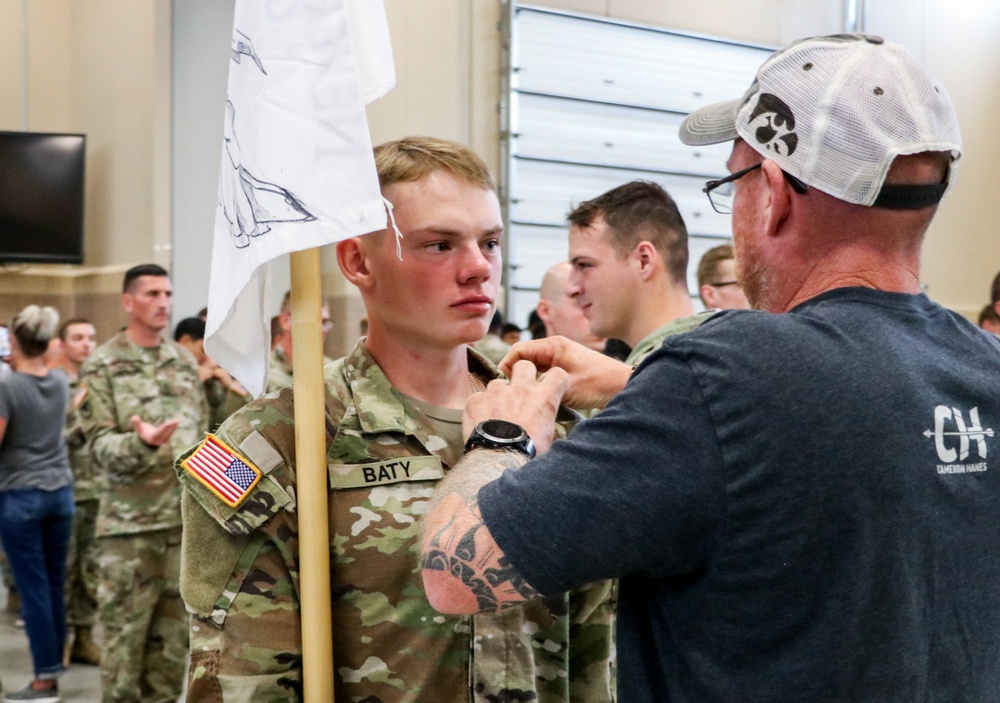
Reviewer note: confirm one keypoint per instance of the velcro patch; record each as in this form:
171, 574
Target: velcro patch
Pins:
411, 468
223, 471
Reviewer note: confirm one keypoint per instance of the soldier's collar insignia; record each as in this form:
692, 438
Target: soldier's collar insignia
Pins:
222, 470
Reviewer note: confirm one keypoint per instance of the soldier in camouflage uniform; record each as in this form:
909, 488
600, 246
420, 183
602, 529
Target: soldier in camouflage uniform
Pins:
224, 394
629, 252
143, 405
394, 429
79, 338
279, 372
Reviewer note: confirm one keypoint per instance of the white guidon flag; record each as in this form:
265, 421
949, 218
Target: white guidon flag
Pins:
297, 168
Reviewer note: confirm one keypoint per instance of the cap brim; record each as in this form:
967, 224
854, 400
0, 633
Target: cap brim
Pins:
712, 124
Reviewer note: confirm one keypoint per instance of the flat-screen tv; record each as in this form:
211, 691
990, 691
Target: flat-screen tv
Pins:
41, 197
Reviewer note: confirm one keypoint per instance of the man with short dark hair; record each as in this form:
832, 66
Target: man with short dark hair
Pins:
800, 500
717, 284
79, 339
143, 404
629, 252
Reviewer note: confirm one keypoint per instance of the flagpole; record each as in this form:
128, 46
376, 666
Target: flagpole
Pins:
311, 474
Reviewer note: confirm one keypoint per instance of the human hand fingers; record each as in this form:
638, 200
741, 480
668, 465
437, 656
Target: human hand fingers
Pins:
538, 351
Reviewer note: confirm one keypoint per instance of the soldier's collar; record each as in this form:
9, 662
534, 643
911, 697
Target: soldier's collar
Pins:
379, 406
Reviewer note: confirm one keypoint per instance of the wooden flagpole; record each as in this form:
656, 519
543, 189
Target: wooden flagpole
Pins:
311, 477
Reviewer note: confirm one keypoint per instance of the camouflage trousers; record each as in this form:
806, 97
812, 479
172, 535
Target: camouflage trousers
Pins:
145, 623
81, 571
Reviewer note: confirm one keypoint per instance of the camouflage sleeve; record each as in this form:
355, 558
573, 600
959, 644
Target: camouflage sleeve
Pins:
74, 430
239, 580
245, 650
118, 452
593, 666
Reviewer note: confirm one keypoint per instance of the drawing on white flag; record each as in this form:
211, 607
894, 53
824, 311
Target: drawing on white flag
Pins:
252, 205
243, 46
297, 164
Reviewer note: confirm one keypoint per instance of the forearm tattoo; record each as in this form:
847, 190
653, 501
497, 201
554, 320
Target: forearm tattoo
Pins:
463, 546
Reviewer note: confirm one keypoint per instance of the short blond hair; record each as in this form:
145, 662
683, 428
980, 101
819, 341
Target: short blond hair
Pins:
708, 267
412, 158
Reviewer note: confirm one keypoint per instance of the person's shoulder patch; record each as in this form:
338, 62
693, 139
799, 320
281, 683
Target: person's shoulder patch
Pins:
222, 470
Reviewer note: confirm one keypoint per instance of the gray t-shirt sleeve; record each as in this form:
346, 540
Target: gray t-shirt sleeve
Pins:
637, 489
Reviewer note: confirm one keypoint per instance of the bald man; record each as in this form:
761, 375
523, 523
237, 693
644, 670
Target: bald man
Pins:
560, 312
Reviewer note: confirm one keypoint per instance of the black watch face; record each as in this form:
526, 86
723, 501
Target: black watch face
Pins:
501, 429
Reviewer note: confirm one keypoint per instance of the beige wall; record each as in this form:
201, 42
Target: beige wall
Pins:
98, 67
103, 67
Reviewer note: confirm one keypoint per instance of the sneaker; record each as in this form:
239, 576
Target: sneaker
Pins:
48, 695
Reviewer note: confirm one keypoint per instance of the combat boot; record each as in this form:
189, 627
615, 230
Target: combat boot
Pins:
85, 650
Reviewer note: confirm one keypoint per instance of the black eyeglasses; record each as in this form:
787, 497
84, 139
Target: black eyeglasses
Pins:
720, 192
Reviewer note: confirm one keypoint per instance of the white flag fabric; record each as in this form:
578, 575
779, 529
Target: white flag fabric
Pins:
297, 168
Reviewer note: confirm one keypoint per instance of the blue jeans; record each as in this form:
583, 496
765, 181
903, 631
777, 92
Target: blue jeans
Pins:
35, 527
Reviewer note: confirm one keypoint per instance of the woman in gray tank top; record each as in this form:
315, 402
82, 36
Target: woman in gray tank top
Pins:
36, 494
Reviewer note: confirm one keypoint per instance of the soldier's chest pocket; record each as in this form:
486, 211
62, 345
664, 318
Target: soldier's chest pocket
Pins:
380, 500
134, 393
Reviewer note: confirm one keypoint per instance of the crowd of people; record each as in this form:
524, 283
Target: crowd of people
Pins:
641, 503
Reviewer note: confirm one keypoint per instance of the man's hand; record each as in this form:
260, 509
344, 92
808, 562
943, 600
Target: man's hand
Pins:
154, 435
528, 399
594, 379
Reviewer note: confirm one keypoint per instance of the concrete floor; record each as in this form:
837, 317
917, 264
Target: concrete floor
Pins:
81, 683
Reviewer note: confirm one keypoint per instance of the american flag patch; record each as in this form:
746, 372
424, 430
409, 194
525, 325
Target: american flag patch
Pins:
222, 471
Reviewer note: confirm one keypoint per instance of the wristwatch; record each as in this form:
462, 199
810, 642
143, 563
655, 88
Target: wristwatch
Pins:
500, 434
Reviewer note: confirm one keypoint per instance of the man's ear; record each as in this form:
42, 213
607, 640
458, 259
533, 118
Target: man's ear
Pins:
542, 309
707, 294
777, 200
127, 301
646, 256
353, 261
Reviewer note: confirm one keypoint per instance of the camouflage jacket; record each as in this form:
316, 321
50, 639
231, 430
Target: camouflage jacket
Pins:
279, 370
139, 490
652, 341
240, 573
85, 484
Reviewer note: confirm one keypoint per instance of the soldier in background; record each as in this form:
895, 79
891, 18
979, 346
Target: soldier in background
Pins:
717, 284
629, 252
224, 394
143, 405
79, 339
279, 373
394, 429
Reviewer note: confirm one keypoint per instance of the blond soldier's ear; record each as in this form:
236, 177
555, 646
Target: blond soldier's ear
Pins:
353, 261
707, 294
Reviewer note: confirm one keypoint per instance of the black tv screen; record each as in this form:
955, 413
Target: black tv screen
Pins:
41, 197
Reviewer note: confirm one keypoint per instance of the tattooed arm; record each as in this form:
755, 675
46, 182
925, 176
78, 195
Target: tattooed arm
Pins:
464, 570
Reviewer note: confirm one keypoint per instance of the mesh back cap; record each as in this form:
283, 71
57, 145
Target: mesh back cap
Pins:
835, 111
